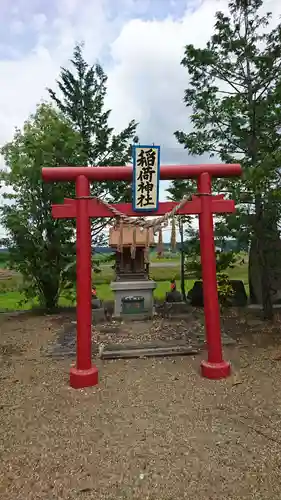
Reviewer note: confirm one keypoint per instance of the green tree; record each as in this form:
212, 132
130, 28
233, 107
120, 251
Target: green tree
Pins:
40, 247
81, 100
225, 260
234, 97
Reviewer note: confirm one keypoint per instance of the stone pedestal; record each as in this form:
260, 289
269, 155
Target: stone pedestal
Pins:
142, 288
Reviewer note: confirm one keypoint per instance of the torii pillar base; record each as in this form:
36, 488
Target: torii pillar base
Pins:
80, 379
215, 371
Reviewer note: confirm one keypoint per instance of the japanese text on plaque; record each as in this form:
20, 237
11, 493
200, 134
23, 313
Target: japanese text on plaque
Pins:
146, 177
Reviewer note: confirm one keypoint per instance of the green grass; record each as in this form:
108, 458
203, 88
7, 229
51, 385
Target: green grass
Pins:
10, 296
164, 275
104, 278
173, 258
156, 273
10, 300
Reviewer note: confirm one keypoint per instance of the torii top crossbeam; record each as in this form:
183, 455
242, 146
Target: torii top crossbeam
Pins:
167, 172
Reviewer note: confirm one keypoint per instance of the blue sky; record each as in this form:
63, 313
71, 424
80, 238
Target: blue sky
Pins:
140, 43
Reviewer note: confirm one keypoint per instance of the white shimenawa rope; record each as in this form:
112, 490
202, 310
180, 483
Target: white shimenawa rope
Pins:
155, 223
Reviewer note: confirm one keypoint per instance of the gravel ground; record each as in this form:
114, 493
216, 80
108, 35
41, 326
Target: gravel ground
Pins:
176, 330
152, 429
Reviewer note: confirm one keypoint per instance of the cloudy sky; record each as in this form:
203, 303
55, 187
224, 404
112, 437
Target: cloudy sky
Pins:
140, 44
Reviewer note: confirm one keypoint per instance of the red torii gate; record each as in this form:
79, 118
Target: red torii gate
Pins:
83, 207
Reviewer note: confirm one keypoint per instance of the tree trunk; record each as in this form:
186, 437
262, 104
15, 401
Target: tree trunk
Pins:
268, 312
259, 209
182, 262
50, 296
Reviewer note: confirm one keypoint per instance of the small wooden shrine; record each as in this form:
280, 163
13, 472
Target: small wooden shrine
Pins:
132, 246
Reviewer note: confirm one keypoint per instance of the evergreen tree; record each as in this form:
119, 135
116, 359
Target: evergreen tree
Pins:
82, 95
234, 96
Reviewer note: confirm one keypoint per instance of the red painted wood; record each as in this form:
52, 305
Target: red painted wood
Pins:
215, 367
84, 373
167, 172
67, 210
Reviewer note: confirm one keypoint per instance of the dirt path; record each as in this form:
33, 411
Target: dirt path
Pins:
152, 429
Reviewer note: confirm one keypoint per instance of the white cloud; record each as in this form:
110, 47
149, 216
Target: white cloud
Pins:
17, 27
146, 80
139, 45
38, 21
147, 77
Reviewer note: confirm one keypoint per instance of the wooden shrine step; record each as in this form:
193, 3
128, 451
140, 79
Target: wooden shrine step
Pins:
123, 351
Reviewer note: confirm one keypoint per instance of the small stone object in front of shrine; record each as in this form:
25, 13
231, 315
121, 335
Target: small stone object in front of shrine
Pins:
173, 295
133, 305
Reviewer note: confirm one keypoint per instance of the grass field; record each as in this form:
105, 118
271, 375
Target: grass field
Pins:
10, 300
153, 258
10, 296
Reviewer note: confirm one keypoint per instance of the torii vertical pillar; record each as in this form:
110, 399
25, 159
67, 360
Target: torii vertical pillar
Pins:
84, 374
215, 367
